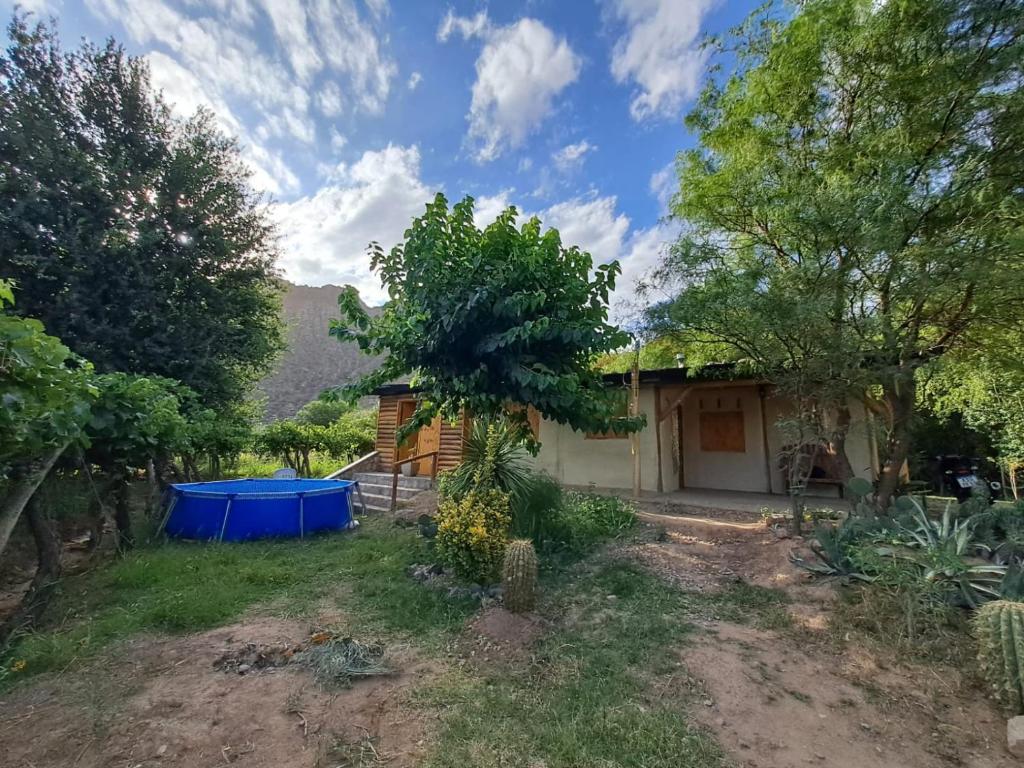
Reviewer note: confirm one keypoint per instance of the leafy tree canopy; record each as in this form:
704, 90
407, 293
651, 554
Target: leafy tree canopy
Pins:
134, 237
134, 419
323, 412
45, 393
853, 209
485, 319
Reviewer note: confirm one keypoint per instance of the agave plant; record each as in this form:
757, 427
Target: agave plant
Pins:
831, 547
946, 548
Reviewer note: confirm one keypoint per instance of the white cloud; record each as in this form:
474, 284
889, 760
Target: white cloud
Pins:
324, 236
414, 80
289, 21
230, 68
521, 69
571, 156
467, 26
338, 141
351, 47
329, 99
185, 94
659, 53
664, 184
519, 72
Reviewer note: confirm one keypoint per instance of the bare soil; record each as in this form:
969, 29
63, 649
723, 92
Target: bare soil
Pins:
803, 697
164, 702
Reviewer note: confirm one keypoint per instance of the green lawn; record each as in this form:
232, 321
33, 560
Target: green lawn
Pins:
586, 695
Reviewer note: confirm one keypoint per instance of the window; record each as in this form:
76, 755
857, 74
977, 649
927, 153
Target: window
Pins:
722, 432
621, 412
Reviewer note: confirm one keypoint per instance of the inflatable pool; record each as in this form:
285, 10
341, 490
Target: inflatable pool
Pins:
240, 510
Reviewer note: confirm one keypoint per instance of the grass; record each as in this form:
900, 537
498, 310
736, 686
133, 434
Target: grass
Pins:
604, 687
183, 587
590, 695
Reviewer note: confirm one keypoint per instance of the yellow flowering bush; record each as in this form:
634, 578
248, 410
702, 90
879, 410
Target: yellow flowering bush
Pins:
472, 533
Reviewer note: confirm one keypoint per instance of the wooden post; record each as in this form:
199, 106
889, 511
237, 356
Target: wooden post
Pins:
657, 435
764, 438
634, 437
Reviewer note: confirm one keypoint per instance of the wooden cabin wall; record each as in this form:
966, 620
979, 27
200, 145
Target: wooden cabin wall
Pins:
450, 451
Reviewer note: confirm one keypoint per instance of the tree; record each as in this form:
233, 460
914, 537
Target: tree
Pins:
853, 209
323, 412
985, 387
134, 237
135, 420
485, 319
292, 442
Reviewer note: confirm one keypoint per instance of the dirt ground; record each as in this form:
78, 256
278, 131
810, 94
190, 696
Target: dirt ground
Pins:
826, 704
162, 702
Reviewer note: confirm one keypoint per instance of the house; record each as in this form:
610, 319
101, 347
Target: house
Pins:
709, 430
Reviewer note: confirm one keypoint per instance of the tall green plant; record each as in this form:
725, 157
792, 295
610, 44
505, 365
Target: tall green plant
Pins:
493, 455
852, 209
486, 317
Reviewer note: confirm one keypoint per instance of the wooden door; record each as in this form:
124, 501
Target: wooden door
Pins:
429, 440
406, 408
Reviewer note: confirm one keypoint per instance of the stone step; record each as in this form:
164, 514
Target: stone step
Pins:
384, 478
385, 490
374, 502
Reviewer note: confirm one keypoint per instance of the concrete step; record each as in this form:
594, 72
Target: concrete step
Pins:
384, 478
374, 502
385, 490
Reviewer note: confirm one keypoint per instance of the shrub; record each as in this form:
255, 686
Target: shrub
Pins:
537, 509
999, 628
587, 518
351, 436
322, 412
472, 533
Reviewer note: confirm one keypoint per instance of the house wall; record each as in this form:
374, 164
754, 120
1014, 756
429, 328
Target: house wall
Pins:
860, 447
727, 470
450, 448
573, 459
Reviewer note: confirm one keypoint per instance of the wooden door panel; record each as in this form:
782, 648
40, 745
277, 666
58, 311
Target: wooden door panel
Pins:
429, 440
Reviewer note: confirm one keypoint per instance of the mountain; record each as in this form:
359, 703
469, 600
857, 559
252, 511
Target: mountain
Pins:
313, 360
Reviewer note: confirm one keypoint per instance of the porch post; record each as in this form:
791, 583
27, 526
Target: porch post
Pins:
764, 437
657, 435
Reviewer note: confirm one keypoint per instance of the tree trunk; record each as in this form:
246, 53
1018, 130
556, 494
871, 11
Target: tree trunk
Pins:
900, 395
20, 492
122, 516
48, 570
844, 470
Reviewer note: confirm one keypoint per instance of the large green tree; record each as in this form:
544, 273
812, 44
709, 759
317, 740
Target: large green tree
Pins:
133, 236
854, 208
488, 319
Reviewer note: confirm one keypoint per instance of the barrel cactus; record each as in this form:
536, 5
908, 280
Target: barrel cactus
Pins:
519, 576
999, 628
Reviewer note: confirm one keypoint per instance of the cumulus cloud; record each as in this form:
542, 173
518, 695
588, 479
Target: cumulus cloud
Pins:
571, 156
659, 53
324, 236
414, 80
519, 72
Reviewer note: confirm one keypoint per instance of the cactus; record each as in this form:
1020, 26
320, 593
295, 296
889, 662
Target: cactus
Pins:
999, 628
519, 576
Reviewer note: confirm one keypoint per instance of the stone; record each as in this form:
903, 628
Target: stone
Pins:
1015, 735
243, 668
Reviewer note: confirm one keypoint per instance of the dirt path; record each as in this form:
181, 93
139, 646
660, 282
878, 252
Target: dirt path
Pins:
800, 698
162, 702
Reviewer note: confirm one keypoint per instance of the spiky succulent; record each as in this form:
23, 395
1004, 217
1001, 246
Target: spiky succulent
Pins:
999, 628
519, 576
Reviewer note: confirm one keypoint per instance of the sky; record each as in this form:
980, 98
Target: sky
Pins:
353, 113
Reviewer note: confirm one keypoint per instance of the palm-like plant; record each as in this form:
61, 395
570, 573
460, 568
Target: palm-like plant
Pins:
494, 454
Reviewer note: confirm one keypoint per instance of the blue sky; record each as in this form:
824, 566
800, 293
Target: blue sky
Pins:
353, 113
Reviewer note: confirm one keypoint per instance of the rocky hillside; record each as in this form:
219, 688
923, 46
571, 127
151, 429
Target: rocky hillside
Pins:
313, 360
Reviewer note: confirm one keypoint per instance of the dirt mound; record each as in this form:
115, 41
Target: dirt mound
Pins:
164, 702
496, 633
769, 705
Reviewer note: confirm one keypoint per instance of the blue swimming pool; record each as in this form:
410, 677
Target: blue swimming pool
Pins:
240, 510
